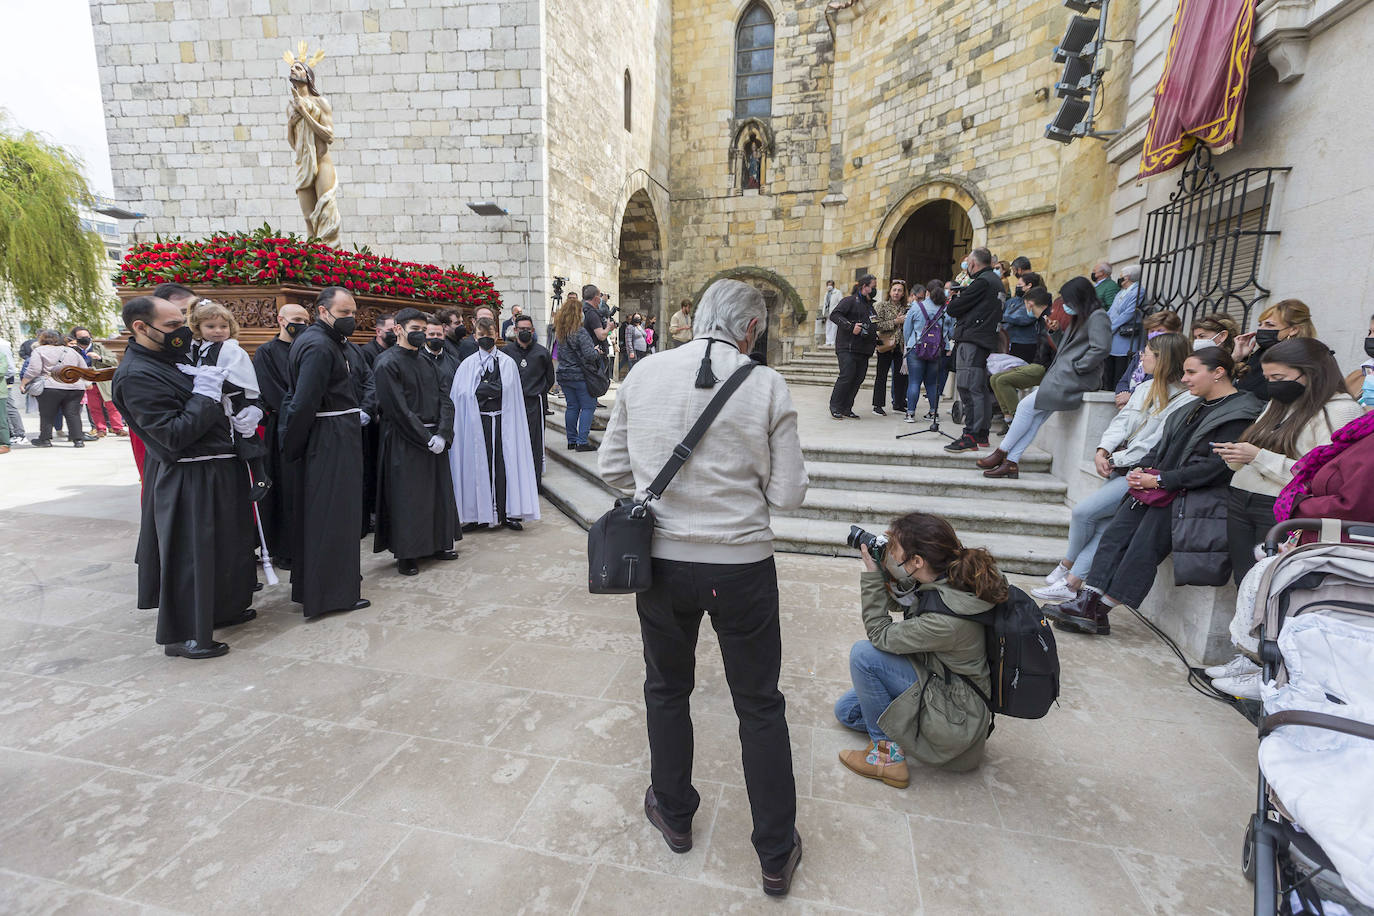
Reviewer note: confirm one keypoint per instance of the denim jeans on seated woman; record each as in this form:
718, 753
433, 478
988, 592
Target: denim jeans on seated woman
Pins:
1024, 426
922, 372
1090, 518
879, 678
581, 407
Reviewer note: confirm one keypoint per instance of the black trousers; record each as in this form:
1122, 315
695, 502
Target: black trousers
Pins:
65, 402
971, 379
889, 361
1112, 369
1249, 516
742, 600
853, 369
496, 463
1137, 540
534, 415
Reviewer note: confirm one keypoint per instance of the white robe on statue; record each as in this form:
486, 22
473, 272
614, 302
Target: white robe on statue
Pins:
468, 457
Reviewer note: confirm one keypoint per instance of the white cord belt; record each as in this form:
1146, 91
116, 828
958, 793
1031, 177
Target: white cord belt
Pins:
204, 458
338, 413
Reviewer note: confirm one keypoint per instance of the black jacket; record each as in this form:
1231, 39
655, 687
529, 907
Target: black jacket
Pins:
977, 310
535, 365
854, 310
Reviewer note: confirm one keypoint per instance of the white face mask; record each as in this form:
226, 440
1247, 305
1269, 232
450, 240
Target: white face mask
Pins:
963, 265
1202, 343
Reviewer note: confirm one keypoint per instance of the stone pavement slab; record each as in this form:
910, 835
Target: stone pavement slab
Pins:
474, 742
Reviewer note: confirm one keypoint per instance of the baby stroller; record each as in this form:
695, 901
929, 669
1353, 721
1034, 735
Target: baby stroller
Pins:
1309, 847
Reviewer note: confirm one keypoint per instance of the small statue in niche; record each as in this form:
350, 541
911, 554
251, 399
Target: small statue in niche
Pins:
753, 164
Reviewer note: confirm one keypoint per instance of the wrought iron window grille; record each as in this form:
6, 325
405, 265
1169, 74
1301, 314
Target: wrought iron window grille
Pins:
1203, 249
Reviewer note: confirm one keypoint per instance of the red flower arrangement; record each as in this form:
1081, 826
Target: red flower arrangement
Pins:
266, 258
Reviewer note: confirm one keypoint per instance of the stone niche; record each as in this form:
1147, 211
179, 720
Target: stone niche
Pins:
256, 307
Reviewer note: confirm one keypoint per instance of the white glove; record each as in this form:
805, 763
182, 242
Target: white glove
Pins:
362, 415
246, 421
209, 380
436, 444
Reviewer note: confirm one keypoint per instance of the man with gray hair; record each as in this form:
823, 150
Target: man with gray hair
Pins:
1124, 313
713, 553
1105, 286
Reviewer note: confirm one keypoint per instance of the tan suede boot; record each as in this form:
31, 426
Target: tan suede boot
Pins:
882, 760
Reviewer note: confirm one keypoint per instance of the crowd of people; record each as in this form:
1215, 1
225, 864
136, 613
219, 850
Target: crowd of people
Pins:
1195, 464
285, 459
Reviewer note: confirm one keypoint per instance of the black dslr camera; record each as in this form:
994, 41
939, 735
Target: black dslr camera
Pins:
876, 543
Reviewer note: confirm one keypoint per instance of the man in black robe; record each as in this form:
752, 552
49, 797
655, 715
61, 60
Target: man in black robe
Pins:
384, 339
454, 330
321, 431
438, 351
274, 378
416, 513
195, 540
468, 345
536, 380
360, 372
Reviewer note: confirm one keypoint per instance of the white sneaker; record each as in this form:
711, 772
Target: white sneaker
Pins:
911, 418
1058, 574
1239, 666
1059, 591
1246, 686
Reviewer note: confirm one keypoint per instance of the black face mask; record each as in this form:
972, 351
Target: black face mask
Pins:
83, 342
1286, 391
1266, 338
415, 338
178, 341
435, 344
345, 326
389, 339
1369, 346
525, 337
294, 327
486, 343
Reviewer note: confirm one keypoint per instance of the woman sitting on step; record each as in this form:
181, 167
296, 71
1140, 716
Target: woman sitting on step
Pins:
913, 675
1131, 434
1077, 367
1147, 526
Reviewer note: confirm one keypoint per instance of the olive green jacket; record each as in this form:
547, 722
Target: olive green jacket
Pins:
940, 720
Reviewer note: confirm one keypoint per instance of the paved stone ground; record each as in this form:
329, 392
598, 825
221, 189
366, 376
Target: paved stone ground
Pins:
474, 743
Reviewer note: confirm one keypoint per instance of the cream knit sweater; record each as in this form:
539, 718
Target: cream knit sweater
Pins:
716, 510
1270, 472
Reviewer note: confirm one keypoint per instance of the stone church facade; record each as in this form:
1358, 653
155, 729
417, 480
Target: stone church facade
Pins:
646, 146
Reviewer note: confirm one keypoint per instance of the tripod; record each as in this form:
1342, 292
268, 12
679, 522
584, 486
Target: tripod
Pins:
934, 427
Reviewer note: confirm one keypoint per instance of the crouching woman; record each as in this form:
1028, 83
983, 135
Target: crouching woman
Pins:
915, 676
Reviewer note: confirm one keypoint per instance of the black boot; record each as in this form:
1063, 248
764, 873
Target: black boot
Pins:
1084, 613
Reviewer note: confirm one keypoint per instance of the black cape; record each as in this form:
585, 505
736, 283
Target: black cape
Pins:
274, 378
325, 455
417, 515
196, 538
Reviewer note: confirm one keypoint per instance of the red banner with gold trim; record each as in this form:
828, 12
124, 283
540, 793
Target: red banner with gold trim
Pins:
1200, 97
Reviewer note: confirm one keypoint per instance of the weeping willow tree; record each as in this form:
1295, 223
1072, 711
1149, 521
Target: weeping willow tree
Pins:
49, 265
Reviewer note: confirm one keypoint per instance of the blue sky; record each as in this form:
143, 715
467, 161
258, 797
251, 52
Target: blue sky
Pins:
48, 81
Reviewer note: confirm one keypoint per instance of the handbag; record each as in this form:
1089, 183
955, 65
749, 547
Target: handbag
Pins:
619, 543
1157, 497
597, 377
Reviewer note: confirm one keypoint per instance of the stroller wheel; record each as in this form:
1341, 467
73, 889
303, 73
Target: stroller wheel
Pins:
1247, 854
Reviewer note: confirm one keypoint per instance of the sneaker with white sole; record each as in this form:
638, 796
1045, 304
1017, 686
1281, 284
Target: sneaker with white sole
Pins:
1239, 666
1246, 686
1059, 591
1058, 574
911, 418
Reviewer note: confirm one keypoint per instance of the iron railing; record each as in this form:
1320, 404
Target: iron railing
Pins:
1204, 247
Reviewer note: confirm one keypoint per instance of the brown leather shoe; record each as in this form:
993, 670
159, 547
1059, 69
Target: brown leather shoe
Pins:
993, 460
884, 768
1007, 469
1084, 613
778, 885
677, 842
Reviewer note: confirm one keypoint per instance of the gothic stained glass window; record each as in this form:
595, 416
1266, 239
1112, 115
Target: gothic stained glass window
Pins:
754, 63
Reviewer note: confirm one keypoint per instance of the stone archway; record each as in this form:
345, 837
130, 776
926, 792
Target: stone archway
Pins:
929, 243
785, 310
641, 259
960, 194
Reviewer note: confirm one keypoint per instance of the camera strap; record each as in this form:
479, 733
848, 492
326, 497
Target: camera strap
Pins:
683, 450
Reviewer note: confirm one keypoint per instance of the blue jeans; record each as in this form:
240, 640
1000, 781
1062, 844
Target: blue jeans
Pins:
581, 406
1024, 426
922, 372
1090, 518
879, 678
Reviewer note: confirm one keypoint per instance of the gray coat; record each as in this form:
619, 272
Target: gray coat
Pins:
1077, 365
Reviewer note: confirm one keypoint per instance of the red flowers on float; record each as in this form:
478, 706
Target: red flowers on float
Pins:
266, 258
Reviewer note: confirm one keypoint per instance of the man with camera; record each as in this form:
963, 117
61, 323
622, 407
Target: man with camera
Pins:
976, 312
713, 554
855, 341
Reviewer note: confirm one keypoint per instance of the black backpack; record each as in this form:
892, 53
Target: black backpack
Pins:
1022, 656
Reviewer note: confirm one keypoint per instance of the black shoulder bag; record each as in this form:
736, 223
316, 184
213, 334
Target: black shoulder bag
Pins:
619, 543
